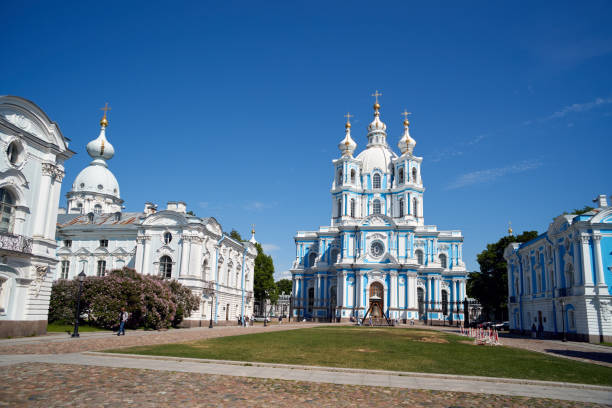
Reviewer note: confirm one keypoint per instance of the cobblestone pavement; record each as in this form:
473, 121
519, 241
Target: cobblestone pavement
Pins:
575, 350
55, 344
54, 385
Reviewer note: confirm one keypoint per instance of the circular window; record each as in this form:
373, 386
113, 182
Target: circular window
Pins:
167, 237
15, 153
377, 249
82, 185
100, 187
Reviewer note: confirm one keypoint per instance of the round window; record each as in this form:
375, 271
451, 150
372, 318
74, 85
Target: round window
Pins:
82, 185
100, 187
377, 249
15, 153
167, 237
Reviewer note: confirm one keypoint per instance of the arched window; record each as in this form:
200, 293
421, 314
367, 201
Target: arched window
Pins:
312, 258
415, 207
97, 209
401, 207
443, 262
376, 207
569, 276
352, 207
353, 176
7, 210
414, 175
101, 268
339, 207
167, 237
333, 256
339, 181
419, 256
400, 176
376, 180
230, 266
205, 269
165, 267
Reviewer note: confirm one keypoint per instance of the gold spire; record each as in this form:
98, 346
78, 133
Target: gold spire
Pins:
406, 113
253, 229
510, 228
376, 104
348, 117
104, 121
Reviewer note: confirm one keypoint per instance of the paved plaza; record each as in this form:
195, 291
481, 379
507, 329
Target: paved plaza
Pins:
56, 370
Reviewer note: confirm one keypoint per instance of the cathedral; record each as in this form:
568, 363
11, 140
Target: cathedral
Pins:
378, 257
94, 235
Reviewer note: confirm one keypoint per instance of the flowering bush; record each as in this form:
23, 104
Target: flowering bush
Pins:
151, 302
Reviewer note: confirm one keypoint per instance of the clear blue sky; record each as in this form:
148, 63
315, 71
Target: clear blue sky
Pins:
237, 107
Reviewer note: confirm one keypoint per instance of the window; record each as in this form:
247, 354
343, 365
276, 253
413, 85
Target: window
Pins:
376, 207
97, 209
339, 207
333, 256
415, 207
68, 243
312, 258
445, 303
377, 249
101, 268
352, 208
353, 176
401, 207
7, 205
104, 243
339, 182
65, 269
414, 175
571, 319
376, 180
14, 153
167, 237
205, 269
569, 276
443, 261
419, 256
165, 267
400, 176
80, 207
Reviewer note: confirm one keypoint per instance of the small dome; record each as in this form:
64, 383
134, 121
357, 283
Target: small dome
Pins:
97, 178
347, 146
376, 157
100, 147
406, 143
377, 125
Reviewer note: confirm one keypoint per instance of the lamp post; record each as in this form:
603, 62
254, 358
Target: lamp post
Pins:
81, 278
209, 290
264, 306
564, 339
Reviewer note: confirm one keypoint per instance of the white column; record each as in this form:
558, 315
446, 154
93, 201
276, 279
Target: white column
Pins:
139, 254
42, 199
146, 257
587, 274
340, 289
598, 264
393, 290
52, 205
195, 267
184, 264
358, 283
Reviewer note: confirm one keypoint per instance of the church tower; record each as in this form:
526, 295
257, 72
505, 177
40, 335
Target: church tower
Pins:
95, 189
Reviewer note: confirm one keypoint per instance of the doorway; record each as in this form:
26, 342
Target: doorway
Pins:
377, 299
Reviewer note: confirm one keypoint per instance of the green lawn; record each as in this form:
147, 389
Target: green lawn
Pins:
385, 349
63, 328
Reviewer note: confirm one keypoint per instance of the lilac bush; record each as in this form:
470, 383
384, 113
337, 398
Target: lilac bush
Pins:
151, 302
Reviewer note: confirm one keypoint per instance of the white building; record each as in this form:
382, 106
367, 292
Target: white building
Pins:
32, 154
378, 254
562, 280
95, 236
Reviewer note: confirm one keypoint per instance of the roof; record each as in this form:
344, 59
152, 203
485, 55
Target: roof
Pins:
77, 221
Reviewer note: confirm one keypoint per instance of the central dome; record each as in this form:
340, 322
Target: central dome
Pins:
376, 157
96, 178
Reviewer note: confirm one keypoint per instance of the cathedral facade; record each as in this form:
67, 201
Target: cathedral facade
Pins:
377, 256
94, 235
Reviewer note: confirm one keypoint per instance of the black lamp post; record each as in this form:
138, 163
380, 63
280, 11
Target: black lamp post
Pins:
81, 278
264, 306
564, 339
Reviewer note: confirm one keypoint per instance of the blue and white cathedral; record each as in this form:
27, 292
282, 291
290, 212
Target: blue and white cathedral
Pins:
378, 254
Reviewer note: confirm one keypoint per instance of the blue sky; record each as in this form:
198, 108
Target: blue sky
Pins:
237, 107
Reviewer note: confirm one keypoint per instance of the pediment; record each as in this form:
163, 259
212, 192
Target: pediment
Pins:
64, 251
376, 220
83, 251
213, 226
604, 216
165, 218
165, 248
23, 122
560, 224
120, 251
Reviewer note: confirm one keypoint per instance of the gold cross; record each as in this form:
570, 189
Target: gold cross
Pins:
105, 108
376, 95
406, 113
348, 117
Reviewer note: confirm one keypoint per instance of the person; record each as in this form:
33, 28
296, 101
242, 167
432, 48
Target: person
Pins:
540, 330
123, 317
533, 331
280, 319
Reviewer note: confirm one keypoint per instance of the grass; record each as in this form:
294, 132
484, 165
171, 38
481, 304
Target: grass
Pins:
63, 328
394, 349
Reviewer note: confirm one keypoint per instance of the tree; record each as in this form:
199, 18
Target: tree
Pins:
264, 277
578, 211
236, 235
490, 285
284, 286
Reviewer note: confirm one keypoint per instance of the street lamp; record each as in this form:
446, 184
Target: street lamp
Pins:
564, 339
264, 306
209, 290
81, 278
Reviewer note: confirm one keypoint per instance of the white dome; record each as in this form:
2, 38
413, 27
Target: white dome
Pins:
96, 178
376, 157
100, 147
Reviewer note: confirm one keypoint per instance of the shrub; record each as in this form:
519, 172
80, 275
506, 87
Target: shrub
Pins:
152, 302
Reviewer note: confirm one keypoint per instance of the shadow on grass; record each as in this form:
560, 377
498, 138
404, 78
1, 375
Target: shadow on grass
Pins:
589, 355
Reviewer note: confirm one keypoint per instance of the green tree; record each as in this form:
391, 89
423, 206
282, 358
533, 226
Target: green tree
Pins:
490, 285
264, 277
284, 286
235, 235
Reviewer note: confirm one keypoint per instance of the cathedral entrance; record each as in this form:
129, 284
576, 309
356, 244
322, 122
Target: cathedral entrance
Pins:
377, 299
332, 304
421, 300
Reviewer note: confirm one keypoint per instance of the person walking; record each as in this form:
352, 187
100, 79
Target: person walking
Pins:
123, 317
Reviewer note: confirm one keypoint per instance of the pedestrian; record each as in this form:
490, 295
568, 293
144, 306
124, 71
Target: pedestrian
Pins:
533, 331
123, 317
540, 330
280, 319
